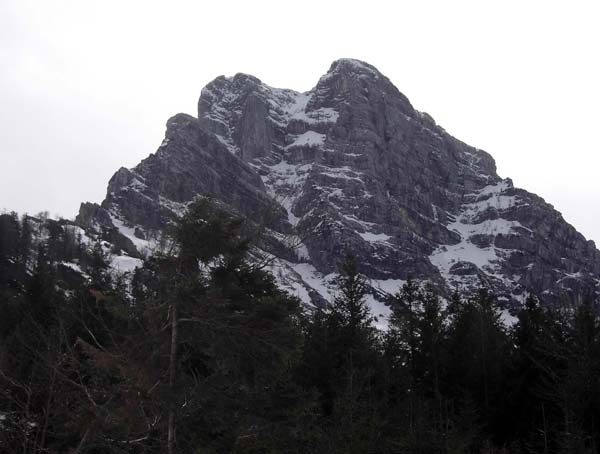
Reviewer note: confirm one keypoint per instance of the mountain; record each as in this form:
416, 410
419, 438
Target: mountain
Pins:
347, 167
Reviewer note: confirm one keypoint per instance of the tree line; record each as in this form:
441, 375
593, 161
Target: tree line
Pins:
201, 352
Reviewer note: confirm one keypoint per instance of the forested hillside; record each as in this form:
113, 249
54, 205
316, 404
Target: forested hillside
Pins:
198, 351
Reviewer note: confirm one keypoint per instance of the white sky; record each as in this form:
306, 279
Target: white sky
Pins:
87, 86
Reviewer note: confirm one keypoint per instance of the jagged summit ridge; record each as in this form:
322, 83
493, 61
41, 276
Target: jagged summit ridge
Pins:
351, 167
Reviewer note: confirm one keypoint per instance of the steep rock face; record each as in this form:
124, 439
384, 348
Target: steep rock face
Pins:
188, 163
239, 112
352, 167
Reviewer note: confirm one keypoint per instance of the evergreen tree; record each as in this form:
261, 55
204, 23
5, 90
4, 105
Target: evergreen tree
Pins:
478, 361
98, 268
231, 345
531, 414
579, 386
25, 241
403, 324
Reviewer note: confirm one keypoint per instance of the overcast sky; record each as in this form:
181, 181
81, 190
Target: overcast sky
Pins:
87, 86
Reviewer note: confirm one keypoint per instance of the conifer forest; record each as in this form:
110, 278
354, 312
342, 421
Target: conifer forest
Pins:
199, 351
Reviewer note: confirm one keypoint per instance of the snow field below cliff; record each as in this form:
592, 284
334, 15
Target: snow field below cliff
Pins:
124, 263
487, 259
284, 183
293, 106
308, 139
375, 237
302, 279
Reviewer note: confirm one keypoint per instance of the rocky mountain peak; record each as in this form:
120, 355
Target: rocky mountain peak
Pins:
351, 167
355, 66
347, 72
351, 81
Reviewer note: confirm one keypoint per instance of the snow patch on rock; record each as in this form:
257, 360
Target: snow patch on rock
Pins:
125, 264
486, 257
308, 139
